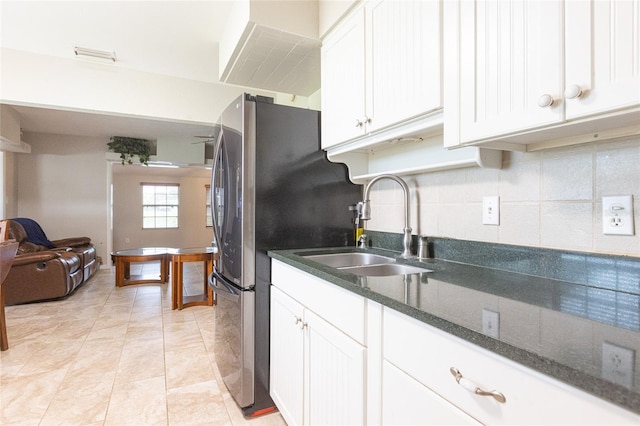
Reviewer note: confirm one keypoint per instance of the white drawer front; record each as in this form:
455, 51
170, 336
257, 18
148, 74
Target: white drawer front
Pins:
408, 402
341, 308
427, 354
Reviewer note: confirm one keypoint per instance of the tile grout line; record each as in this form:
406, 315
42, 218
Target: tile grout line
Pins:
115, 375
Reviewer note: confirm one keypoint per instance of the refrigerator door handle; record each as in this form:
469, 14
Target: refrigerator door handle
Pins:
214, 208
223, 289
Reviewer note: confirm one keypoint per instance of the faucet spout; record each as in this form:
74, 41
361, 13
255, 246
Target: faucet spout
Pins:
366, 209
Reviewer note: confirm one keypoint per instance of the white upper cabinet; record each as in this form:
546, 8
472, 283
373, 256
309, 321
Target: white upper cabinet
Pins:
602, 59
381, 65
511, 55
523, 72
403, 63
343, 86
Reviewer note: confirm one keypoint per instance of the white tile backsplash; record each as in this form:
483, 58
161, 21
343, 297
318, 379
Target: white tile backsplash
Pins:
566, 225
520, 223
520, 180
548, 199
617, 169
568, 176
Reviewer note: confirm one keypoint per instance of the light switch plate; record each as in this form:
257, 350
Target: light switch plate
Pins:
491, 323
617, 215
491, 210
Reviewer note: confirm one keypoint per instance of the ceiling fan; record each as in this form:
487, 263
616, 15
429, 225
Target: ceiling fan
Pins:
210, 138
205, 139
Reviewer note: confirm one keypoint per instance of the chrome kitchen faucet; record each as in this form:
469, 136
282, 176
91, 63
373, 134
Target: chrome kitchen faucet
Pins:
365, 211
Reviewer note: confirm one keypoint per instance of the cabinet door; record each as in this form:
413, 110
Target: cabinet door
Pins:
287, 356
510, 56
405, 401
404, 41
335, 385
602, 55
343, 86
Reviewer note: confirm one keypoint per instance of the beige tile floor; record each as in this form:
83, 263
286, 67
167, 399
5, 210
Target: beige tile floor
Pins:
116, 356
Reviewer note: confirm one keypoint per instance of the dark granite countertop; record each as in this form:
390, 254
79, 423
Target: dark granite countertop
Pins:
552, 325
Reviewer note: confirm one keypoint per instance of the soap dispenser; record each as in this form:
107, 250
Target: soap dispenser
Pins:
423, 247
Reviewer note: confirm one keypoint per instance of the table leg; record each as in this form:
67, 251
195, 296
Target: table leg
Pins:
4, 341
164, 269
179, 284
206, 275
119, 272
174, 286
208, 290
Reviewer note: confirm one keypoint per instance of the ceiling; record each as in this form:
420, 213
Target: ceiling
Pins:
174, 38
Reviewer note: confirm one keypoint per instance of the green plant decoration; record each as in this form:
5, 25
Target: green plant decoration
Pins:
130, 147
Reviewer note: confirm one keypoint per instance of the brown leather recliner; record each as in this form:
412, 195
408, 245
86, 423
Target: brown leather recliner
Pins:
80, 245
39, 273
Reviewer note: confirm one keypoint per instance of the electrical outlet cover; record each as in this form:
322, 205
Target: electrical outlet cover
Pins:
617, 364
617, 215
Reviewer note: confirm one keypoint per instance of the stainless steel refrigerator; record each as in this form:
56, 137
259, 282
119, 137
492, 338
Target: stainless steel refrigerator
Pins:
272, 187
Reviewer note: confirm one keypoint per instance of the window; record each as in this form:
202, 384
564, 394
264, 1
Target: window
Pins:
207, 210
160, 202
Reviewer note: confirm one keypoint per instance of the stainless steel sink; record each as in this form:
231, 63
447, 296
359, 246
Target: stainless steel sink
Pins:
365, 264
342, 260
385, 270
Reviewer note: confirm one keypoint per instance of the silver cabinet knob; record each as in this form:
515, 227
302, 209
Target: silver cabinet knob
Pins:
361, 123
300, 322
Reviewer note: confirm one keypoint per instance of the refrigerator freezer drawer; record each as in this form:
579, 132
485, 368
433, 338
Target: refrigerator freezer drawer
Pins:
234, 339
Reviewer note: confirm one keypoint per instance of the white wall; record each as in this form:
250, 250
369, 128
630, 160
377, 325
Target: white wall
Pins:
8, 185
31, 79
127, 213
548, 199
177, 150
330, 11
61, 185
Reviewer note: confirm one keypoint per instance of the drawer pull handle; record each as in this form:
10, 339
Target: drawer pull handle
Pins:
472, 387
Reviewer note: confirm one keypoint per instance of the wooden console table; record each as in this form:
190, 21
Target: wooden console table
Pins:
124, 258
178, 257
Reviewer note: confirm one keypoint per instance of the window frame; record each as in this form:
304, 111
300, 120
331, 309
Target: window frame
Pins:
157, 205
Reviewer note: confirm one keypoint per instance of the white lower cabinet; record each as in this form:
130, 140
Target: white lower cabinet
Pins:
287, 355
427, 354
340, 359
405, 401
334, 379
317, 371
